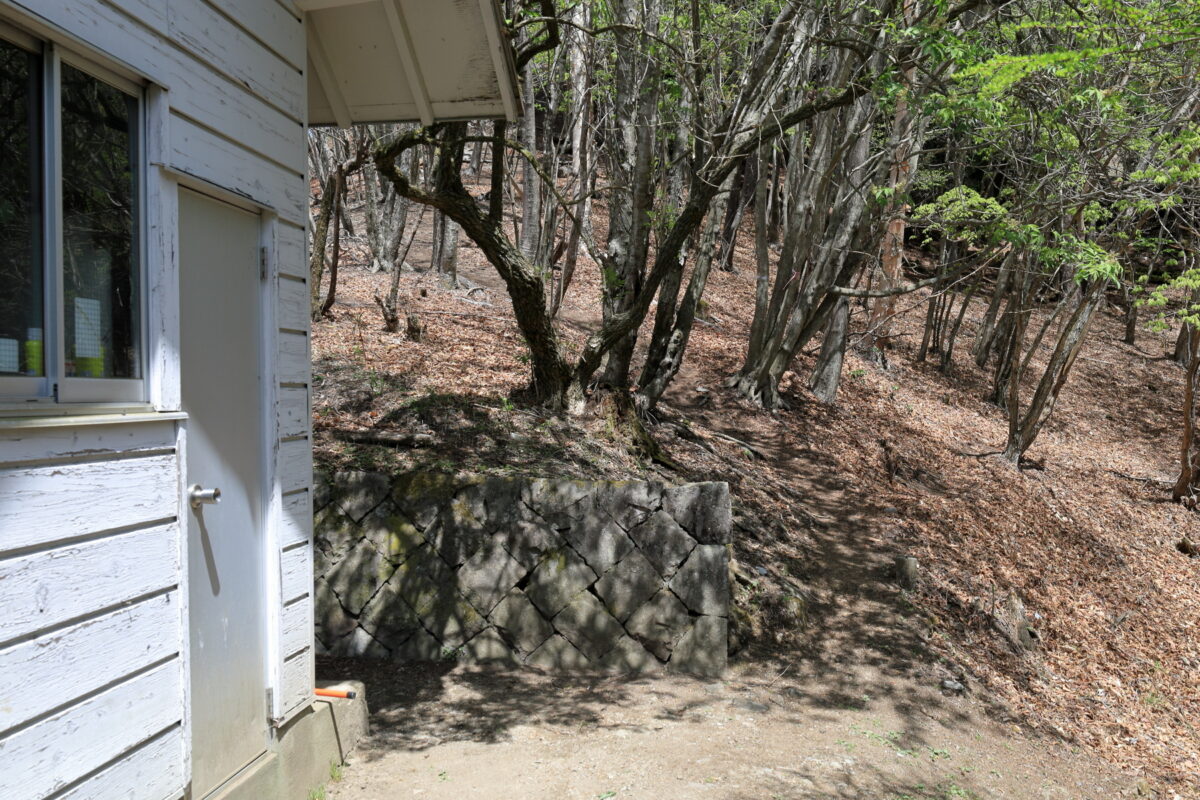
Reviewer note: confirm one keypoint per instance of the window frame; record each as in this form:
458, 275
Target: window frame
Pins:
54, 390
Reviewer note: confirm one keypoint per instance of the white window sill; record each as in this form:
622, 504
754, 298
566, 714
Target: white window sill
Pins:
21, 416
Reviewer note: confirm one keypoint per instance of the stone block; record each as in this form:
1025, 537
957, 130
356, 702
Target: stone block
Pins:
358, 575
421, 579
357, 493
629, 503
420, 496
489, 648
704, 649
556, 581
361, 644
702, 583
658, 624
587, 625
529, 542
428, 585
549, 496
628, 656
450, 618
504, 499
497, 570
322, 490
331, 621
456, 535
702, 509
333, 535
556, 653
420, 647
488, 575
394, 535
628, 585
663, 542
520, 623
388, 618
600, 541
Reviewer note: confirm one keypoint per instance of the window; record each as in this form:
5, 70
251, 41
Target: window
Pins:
70, 229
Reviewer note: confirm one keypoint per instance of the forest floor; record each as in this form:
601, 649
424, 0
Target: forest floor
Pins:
838, 688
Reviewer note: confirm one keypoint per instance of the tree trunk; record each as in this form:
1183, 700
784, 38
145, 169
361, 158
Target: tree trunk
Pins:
531, 206
389, 307
316, 258
735, 208
339, 190
1021, 435
982, 347
1189, 462
666, 353
828, 373
631, 146
905, 135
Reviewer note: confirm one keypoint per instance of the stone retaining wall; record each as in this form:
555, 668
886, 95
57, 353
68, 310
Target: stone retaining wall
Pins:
556, 574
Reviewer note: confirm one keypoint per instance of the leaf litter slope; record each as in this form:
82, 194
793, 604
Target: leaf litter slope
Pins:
827, 496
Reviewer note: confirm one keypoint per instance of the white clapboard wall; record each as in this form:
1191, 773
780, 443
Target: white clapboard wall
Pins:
92, 634
226, 109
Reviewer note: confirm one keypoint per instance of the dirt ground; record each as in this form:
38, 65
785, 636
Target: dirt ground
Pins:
457, 733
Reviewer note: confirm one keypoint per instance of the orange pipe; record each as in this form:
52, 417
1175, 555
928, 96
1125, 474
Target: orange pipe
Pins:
341, 694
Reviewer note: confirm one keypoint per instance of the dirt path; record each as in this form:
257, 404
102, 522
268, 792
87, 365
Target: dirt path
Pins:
858, 711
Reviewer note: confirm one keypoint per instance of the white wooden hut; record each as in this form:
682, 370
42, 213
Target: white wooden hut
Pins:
154, 348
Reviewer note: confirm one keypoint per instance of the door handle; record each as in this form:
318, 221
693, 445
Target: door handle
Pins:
198, 496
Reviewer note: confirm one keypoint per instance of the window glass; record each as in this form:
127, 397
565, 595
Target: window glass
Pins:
101, 292
22, 274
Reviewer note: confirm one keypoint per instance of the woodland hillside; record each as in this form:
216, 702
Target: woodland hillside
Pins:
925, 270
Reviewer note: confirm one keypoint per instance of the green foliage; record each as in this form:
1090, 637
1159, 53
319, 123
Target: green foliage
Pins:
963, 214
1087, 261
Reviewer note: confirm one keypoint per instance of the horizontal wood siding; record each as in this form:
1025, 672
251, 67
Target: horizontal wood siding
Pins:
92, 630
293, 366
297, 627
153, 771
271, 24
209, 156
292, 407
292, 261
296, 569
47, 503
45, 757
297, 519
23, 445
81, 658
293, 304
295, 465
299, 676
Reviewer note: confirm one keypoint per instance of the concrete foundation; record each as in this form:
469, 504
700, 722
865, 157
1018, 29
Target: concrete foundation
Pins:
305, 752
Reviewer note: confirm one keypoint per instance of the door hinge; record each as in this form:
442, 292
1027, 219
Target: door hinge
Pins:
262, 263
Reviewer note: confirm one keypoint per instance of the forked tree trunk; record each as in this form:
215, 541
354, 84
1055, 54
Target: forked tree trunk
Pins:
1024, 429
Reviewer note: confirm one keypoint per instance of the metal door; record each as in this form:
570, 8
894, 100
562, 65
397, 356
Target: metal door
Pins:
220, 327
